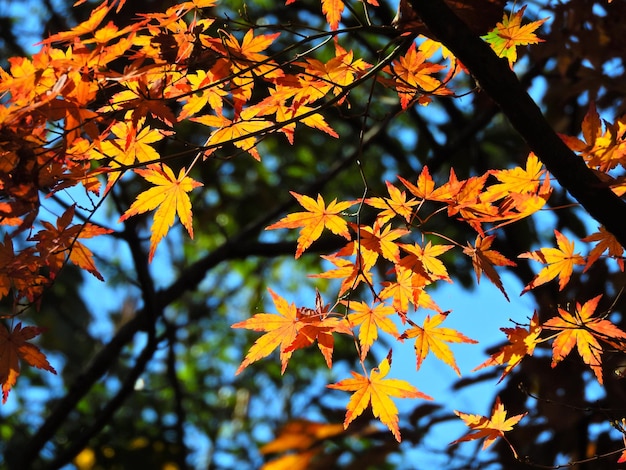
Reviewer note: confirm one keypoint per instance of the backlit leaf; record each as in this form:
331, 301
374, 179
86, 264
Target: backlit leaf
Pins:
489, 428
431, 337
377, 391
583, 331
13, 347
315, 220
560, 262
169, 197
510, 33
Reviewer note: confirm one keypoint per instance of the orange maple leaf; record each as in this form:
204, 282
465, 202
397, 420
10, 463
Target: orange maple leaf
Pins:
431, 337
377, 391
333, 9
414, 77
300, 435
560, 262
510, 33
376, 240
484, 259
370, 320
317, 325
14, 346
318, 78
169, 197
132, 144
522, 342
601, 149
86, 27
606, 241
425, 188
583, 331
409, 287
281, 331
489, 428
313, 222
352, 272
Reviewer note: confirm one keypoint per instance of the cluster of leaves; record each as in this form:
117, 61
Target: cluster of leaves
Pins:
72, 119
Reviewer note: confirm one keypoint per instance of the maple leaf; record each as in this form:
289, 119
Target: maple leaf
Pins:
56, 243
370, 320
606, 241
560, 262
352, 272
240, 132
129, 146
583, 331
319, 78
484, 259
603, 150
377, 391
317, 325
516, 180
431, 337
313, 222
280, 331
379, 241
88, 26
397, 204
333, 9
425, 188
522, 342
489, 428
409, 287
414, 76
169, 197
510, 33
14, 346
427, 257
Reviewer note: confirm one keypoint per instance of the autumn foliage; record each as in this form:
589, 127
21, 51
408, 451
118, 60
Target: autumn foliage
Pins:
72, 117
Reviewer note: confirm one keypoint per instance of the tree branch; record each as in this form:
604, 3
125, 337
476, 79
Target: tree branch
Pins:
496, 79
237, 247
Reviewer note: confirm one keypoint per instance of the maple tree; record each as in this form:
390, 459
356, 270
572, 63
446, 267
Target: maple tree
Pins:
226, 118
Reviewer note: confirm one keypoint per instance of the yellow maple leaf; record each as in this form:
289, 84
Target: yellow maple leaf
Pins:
560, 262
510, 33
396, 205
370, 320
377, 391
352, 272
169, 197
431, 337
516, 180
313, 222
